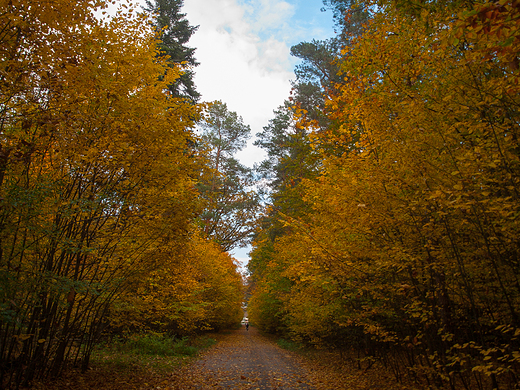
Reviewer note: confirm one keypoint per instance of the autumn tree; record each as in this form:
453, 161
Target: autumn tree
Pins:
407, 251
93, 183
291, 159
195, 288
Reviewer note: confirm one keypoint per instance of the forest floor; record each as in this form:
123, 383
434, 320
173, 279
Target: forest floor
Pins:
241, 359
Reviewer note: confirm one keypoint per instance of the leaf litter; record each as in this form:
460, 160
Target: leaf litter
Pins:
241, 360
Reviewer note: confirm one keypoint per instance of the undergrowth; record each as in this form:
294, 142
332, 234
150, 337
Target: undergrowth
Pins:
133, 362
153, 351
289, 345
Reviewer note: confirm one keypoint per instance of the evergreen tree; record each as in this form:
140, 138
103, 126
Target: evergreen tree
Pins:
175, 34
349, 18
317, 74
231, 205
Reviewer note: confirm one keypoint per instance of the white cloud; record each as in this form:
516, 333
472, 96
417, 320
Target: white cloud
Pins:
244, 59
269, 14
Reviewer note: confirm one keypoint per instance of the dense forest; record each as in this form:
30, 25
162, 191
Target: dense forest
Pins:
393, 222
386, 227
107, 192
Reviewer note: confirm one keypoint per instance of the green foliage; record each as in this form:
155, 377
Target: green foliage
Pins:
175, 32
349, 16
231, 205
157, 344
147, 351
289, 345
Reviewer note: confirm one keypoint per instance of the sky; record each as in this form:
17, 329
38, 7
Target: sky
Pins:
243, 47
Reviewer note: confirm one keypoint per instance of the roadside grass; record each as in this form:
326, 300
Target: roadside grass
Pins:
290, 345
151, 351
139, 361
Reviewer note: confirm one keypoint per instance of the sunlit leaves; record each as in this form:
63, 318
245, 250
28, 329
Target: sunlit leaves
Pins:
194, 287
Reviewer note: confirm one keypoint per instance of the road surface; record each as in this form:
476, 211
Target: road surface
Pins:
246, 360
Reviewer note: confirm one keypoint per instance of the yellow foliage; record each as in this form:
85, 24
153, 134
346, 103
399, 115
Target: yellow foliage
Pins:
411, 237
195, 287
96, 175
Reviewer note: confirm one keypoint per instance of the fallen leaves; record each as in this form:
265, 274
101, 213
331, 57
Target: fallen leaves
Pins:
240, 360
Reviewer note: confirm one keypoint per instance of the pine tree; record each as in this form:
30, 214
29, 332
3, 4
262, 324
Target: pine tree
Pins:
231, 204
175, 34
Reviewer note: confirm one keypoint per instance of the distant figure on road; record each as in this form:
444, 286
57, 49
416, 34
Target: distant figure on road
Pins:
247, 324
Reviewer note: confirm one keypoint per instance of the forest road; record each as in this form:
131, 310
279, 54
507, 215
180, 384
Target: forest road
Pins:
247, 360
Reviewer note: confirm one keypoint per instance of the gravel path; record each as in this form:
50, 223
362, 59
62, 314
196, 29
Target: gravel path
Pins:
246, 360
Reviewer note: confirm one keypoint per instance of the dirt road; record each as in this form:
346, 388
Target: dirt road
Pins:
246, 360
241, 360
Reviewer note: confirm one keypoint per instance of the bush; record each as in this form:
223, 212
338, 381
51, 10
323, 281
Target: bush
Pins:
158, 345
289, 345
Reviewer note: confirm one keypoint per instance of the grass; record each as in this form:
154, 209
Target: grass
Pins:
289, 345
151, 351
134, 362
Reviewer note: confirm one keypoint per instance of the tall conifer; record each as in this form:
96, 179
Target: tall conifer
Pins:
175, 34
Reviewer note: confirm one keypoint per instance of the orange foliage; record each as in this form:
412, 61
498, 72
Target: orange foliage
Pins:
195, 287
409, 251
97, 183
